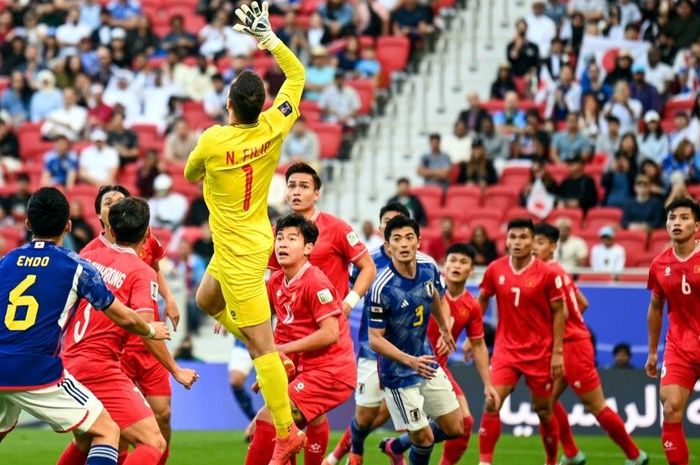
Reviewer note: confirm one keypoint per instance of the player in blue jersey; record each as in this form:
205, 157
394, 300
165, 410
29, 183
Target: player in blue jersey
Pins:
402, 299
40, 287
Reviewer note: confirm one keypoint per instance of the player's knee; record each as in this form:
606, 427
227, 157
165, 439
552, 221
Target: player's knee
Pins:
423, 438
163, 417
673, 408
205, 303
106, 429
453, 429
156, 439
544, 412
364, 417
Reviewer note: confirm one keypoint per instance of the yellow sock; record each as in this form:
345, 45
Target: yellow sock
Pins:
273, 382
226, 321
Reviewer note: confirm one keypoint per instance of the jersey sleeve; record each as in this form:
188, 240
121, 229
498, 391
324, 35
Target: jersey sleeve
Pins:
475, 325
487, 286
285, 108
92, 287
321, 301
653, 283
351, 247
438, 281
157, 250
144, 293
378, 312
194, 168
554, 286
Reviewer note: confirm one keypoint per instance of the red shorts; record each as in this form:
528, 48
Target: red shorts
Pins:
122, 399
579, 366
147, 373
458, 390
316, 392
679, 369
537, 375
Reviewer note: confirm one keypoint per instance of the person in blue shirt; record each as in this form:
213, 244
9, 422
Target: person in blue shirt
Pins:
39, 291
60, 164
402, 299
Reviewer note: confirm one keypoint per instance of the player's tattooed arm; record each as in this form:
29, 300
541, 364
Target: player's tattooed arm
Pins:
327, 334
558, 323
423, 365
655, 316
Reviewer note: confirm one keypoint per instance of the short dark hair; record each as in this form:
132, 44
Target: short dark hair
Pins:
303, 168
307, 228
685, 202
129, 219
622, 346
394, 207
48, 212
547, 230
104, 190
522, 223
247, 93
463, 249
398, 222
434, 136
403, 180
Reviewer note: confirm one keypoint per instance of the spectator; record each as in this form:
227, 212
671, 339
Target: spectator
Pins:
435, 166
622, 70
15, 99
458, 144
199, 213
291, 34
644, 212
593, 10
685, 27
564, 97
168, 208
534, 142
540, 28
16, 203
124, 140
81, 232
618, 182
121, 91
679, 161
142, 39
474, 115
570, 142
99, 113
538, 173
69, 121
72, 30
654, 144
556, 11
503, 84
337, 16
497, 146
319, 75
9, 146
413, 20
203, 247
318, 34
99, 162
479, 169
90, 14
644, 92
180, 142
46, 99
653, 172
148, 169
626, 109
622, 355
185, 352
522, 54
409, 200
683, 130
485, 248
350, 56
590, 118
301, 144
124, 13
60, 164
555, 62
572, 250
511, 120
178, 37
572, 31
578, 190
607, 256
215, 100
369, 66
438, 246
592, 83
658, 73
340, 102
370, 236
608, 141
629, 148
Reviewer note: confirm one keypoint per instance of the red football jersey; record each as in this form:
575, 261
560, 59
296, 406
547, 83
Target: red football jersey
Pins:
337, 247
575, 328
93, 343
300, 305
151, 252
678, 283
523, 299
465, 314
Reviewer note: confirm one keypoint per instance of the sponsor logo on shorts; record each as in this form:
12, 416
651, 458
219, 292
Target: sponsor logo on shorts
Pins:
233, 314
415, 415
376, 310
325, 296
299, 386
352, 238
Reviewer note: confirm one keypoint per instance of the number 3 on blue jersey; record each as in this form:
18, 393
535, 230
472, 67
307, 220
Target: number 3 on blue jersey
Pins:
419, 316
19, 299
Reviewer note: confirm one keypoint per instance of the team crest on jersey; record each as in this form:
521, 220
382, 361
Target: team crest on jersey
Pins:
429, 288
501, 280
415, 415
154, 291
667, 271
285, 108
352, 238
532, 283
558, 282
696, 269
325, 296
39, 244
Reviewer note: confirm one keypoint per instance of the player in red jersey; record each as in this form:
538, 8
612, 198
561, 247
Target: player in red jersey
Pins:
579, 360
529, 336
338, 247
674, 278
138, 363
312, 328
94, 345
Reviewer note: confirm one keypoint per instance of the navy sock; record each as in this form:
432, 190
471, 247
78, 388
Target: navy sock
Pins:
102, 454
401, 444
357, 438
438, 434
244, 401
419, 455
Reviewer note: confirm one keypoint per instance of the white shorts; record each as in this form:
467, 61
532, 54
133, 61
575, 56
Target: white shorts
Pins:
368, 392
68, 406
240, 361
410, 407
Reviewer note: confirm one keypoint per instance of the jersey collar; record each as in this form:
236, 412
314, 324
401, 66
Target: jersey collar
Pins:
297, 276
516, 272
315, 215
118, 248
692, 254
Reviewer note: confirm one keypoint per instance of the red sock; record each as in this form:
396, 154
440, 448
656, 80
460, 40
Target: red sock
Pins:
318, 436
164, 458
489, 432
566, 436
143, 454
343, 446
262, 445
454, 448
123, 454
549, 430
72, 456
613, 425
674, 443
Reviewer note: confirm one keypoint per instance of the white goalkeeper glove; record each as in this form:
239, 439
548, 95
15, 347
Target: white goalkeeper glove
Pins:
256, 22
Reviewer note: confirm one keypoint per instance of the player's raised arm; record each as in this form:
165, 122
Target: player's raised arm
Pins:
130, 321
655, 316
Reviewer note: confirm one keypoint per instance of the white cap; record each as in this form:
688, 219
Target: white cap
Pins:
98, 135
606, 231
118, 33
652, 115
162, 182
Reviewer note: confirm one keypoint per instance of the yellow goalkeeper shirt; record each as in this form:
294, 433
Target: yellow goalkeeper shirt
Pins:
237, 163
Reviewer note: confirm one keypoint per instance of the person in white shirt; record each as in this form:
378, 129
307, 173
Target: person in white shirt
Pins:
370, 237
593, 10
214, 101
168, 209
540, 28
627, 110
301, 145
458, 144
607, 256
99, 162
69, 121
340, 102
572, 251
658, 74
119, 90
72, 30
629, 13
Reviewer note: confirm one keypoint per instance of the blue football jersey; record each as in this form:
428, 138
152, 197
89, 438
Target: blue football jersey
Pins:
40, 286
402, 306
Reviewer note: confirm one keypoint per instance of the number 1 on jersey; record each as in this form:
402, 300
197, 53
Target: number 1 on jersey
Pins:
248, 170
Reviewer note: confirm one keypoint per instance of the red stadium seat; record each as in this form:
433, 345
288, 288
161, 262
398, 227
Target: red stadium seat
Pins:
365, 90
191, 234
464, 197
515, 176
489, 218
430, 197
83, 190
310, 110
454, 213
493, 105
694, 191
659, 241
501, 198
674, 106
392, 54
198, 120
633, 241
641, 260
598, 217
163, 235
330, 136
191, 105
558, 172
574, 214
596, 278
309, 6
518, 212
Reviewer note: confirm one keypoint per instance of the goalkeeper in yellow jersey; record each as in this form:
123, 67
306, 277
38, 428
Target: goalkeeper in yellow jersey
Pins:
236, 163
